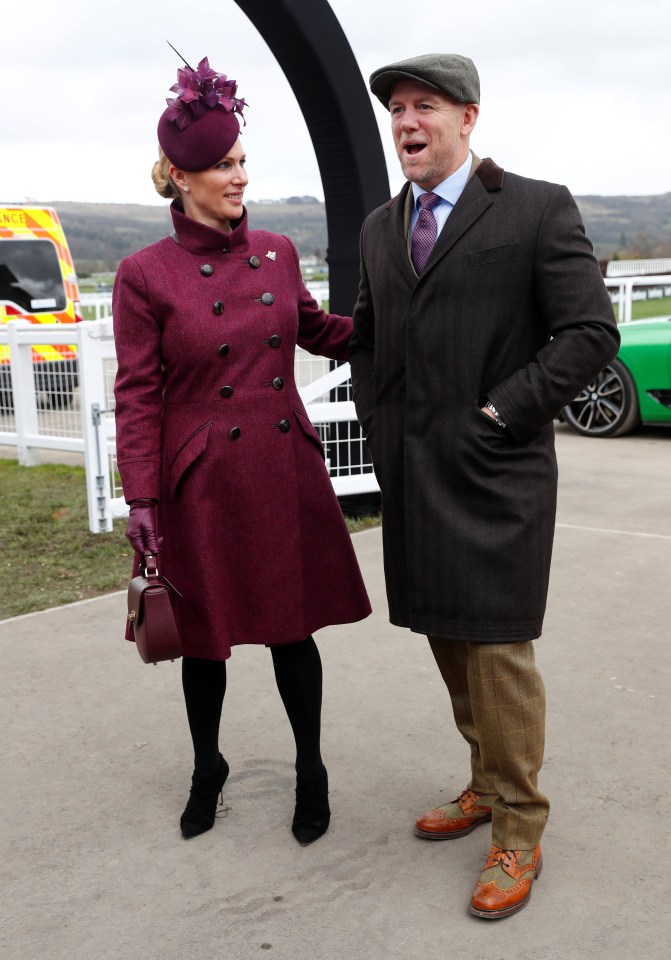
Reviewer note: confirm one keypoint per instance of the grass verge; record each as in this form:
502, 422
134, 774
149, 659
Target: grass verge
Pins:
48, 557
47, 554
642, 309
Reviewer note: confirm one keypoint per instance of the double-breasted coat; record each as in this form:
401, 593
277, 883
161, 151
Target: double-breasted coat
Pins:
511, 307
210, 424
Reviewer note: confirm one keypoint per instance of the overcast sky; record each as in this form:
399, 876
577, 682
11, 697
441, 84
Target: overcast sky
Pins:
577, 92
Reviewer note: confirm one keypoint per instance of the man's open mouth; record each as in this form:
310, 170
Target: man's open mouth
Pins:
413, 148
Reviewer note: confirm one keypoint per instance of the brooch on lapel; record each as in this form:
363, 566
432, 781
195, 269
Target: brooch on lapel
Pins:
271, 255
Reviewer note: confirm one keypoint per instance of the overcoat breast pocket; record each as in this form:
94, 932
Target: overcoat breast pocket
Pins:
187, 454
310, 431
505, 251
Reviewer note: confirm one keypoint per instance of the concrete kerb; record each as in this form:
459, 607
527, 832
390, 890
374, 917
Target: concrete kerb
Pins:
96, 765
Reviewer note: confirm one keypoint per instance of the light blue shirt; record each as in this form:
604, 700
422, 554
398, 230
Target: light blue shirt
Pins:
449, 192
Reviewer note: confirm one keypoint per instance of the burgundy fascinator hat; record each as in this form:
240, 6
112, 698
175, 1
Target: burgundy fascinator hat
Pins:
200, 127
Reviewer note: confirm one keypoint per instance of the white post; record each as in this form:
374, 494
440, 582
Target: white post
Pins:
23, 389
628, 297
92, 337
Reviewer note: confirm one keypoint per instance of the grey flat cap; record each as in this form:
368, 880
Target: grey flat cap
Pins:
448, 72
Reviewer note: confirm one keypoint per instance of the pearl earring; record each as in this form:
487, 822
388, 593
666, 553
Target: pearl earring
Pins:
186, 189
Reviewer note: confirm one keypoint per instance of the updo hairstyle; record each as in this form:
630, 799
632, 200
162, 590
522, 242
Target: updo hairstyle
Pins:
164, 185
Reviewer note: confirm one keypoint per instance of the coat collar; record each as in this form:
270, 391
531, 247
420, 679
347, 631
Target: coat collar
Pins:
200, 239
486, 178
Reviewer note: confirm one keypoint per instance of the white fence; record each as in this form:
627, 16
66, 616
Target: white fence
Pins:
100, 303
70, 406
633, 268
624, 290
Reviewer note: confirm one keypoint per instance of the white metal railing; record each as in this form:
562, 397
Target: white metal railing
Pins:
654, 286
100, 303
75, 412
56, 412
630, 268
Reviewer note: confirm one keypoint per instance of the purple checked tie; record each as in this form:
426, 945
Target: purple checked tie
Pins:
424, 232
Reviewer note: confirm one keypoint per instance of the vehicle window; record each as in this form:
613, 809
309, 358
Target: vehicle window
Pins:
30, 275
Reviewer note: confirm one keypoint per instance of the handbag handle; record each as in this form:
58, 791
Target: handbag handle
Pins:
149, 570
150, 565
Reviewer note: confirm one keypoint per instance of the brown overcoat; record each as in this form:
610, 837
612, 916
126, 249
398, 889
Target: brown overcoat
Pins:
510, 307
210, 423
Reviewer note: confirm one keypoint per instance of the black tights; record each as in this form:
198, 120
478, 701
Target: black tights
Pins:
298, 673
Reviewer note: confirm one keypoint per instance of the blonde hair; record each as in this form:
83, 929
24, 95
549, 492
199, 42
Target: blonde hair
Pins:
164, 185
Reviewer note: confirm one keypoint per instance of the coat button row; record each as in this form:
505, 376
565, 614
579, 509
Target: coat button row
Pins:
274, 342
266, 298
218, 307
283, 426
226, 392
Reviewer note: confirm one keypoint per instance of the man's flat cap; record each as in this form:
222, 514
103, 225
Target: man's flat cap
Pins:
450, 73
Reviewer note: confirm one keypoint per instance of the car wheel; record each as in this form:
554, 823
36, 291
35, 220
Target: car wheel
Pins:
607, 407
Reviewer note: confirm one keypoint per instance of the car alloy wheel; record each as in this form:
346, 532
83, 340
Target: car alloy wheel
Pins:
607, 407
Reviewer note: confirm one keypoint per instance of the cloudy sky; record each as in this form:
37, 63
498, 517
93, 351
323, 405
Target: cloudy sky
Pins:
577, 92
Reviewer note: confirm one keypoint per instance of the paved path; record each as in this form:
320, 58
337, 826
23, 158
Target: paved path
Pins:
96, 765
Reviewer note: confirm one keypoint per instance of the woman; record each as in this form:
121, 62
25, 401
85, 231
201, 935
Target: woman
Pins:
215, 449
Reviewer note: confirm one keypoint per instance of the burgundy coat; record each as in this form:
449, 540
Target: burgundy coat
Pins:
210, 423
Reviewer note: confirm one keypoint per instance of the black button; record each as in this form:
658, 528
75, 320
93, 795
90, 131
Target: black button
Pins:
278, 383
224, 249
235, 433
226, 391
218, 307
223, 349
254, 262
268, 299
284, 426
207, 270
275, 340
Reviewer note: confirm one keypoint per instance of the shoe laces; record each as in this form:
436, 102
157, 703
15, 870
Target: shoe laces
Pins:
507, 858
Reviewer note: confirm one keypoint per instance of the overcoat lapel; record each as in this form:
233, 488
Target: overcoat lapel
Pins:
392, 229
470, 206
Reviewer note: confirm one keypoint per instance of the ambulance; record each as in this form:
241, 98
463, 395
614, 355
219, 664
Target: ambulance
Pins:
38, 283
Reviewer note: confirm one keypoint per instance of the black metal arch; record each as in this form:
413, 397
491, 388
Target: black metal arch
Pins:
312, 49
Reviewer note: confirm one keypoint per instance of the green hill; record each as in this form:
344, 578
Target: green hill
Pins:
101, 234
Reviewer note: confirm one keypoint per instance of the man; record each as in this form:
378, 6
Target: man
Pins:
481, 313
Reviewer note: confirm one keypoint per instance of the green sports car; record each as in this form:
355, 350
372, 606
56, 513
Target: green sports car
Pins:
635, 388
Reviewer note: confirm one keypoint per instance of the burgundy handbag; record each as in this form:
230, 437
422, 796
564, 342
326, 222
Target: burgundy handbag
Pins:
151, 612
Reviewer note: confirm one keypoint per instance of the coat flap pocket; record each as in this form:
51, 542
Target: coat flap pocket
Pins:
309, 430
506, 251
186, 455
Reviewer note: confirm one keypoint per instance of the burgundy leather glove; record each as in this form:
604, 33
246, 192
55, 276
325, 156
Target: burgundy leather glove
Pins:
141, 529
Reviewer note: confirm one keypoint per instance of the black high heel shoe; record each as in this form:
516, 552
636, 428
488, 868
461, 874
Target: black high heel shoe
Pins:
313, 814
201, 807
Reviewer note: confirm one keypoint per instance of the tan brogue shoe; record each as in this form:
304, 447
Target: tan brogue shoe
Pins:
504, 886
455, 819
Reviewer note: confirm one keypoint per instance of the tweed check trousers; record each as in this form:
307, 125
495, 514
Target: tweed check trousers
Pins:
498, 699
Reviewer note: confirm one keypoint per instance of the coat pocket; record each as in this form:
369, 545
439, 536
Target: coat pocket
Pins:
507, 251
310, 431
190, 450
